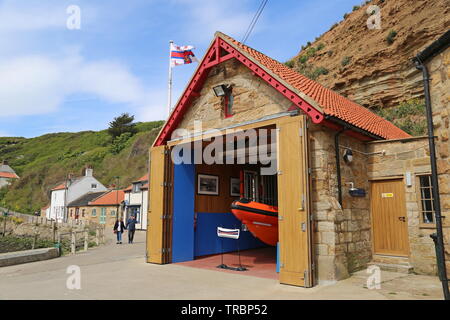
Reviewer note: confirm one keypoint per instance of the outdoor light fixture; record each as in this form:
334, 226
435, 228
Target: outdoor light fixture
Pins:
348, 155
221, 90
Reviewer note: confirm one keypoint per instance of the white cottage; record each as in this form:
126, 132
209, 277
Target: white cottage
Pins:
7, 174
136, 201
70, 190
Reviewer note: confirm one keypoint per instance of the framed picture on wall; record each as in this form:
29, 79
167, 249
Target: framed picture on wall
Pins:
208, 184
235, 187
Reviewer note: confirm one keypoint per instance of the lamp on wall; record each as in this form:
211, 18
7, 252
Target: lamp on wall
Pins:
348, 155
220, 90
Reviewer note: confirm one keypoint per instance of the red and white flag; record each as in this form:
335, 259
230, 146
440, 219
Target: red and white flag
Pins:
181, 55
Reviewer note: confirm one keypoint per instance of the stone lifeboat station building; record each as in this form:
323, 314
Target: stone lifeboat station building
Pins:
350, 188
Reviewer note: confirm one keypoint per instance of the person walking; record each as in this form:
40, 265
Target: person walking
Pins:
131, 226
119, 228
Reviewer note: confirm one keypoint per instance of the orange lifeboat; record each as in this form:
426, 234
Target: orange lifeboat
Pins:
260, 219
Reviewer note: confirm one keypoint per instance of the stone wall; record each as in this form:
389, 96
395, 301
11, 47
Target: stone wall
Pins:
439, 69
402, 156
342, 239
253, 98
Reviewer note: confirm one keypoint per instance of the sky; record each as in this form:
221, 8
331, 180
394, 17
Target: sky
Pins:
59, 73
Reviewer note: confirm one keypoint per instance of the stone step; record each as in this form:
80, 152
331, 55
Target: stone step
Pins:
390, 260
392, 267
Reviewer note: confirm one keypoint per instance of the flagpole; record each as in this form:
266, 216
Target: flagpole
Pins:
169, 98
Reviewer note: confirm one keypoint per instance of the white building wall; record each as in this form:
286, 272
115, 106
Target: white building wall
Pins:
57, 203
139, 199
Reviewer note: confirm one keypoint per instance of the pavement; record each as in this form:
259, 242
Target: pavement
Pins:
119, 271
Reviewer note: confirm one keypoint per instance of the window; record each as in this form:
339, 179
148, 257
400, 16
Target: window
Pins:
71, 212
93, 186
228, 101
136, 187
83, 212
113, 213
94, 212
426, 198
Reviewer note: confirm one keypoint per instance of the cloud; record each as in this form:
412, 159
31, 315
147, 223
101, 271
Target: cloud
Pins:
38, 84
206, 17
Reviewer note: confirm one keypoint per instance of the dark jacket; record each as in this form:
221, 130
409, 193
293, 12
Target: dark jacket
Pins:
116, 226
131, 224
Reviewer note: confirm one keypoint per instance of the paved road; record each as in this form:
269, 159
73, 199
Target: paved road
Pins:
120, 272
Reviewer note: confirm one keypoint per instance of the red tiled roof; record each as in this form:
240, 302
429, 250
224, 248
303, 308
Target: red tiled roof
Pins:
332, 103
143, 178
9, 175
145, 186
113, 197
61, 186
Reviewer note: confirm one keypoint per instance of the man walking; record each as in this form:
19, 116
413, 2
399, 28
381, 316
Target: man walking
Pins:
131, 226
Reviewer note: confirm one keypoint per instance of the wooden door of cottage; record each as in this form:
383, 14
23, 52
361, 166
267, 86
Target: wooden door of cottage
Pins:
389, 220
293, 203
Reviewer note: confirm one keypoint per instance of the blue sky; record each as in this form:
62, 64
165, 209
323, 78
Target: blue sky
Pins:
54, 79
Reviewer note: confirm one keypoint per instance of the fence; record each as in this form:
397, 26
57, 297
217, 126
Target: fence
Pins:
76, 231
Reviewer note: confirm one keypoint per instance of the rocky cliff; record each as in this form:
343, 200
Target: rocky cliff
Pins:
373, 66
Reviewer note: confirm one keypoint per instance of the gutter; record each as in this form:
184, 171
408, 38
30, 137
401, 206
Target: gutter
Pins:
338, 164
438, 238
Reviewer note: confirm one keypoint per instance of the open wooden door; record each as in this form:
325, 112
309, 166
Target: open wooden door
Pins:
159, 222
293, 203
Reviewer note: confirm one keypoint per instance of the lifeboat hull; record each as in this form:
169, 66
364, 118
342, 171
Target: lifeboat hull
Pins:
260, 219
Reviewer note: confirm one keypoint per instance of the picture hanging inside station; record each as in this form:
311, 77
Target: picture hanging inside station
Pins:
208, 184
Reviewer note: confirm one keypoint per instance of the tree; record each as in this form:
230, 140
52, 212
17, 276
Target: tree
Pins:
122, 124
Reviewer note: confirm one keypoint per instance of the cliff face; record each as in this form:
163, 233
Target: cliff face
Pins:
363, 65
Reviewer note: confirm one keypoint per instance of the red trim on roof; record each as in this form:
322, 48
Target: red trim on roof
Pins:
299, 89
9, 175
62, 186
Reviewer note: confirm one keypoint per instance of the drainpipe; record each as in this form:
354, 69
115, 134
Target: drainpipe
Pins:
438, 237
338, 164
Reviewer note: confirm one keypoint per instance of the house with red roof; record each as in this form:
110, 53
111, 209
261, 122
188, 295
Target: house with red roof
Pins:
71, 189
254, 146
136, 201
7, 174
106, 208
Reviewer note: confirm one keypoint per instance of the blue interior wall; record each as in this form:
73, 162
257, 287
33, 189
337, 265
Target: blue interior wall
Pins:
183, 213
207, 242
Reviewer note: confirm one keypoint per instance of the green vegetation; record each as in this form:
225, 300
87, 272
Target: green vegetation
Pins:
122, 124
391, 37
10, 243
320, 46
408, 116
346, 60
355, 8
45, 161
289, 64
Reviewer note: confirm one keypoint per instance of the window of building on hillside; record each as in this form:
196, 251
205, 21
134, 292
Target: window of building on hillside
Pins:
426, 198
83, 212
94, 212
136, 187
71, 212
94, 186
228, 101
113, 213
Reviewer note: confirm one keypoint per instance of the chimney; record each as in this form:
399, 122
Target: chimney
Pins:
89, 172
5, 162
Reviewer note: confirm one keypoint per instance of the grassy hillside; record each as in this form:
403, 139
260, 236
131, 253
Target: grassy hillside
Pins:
45, 161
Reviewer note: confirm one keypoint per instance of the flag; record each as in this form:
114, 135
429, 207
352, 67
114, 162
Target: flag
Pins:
181, 55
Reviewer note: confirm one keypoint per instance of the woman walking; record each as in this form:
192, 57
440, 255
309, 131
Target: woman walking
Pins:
119, 228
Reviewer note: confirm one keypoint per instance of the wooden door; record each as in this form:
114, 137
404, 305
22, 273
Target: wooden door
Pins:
389, 221
160, 206
103, 215
293, 203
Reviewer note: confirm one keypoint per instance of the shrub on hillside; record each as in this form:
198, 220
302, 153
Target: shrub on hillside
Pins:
122, 124
391, 37
120, 142
346, 60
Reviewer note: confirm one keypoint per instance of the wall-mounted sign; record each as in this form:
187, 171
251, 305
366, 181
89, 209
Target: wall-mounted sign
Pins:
387, 195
